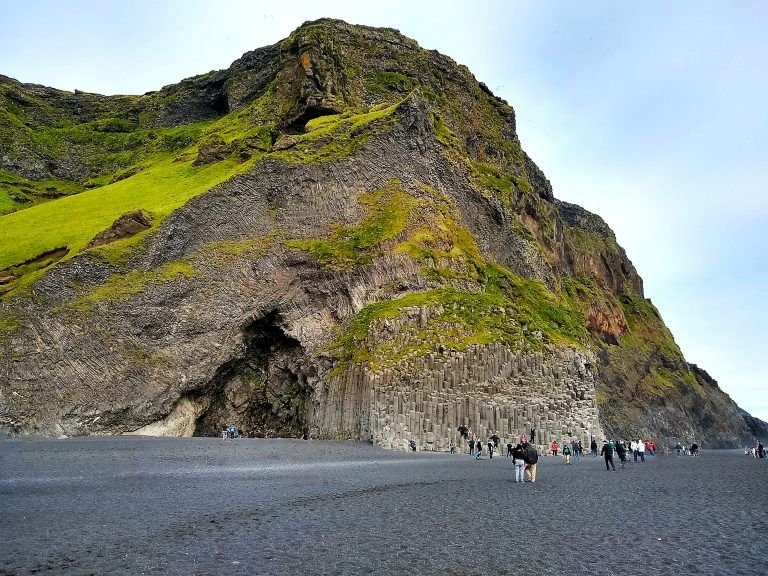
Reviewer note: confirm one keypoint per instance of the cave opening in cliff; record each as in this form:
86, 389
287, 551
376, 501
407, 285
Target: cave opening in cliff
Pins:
264, 391
299, 124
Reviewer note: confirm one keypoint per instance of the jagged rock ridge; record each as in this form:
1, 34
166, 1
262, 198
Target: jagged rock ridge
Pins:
341, 237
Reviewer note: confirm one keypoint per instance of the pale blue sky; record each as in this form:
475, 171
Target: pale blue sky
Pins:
651, 114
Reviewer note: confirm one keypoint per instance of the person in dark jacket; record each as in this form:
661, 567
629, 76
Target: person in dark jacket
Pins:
621, 450
607, 453
593, 448
531, 459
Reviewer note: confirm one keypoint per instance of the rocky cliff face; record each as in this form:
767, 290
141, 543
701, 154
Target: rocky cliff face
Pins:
337, 237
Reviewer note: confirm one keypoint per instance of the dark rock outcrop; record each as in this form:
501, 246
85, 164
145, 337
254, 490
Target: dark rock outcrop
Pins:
127, 225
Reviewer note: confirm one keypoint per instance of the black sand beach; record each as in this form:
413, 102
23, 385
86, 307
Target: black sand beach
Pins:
208, 506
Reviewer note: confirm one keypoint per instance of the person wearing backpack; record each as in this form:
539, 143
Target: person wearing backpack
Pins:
567, 453
531, 458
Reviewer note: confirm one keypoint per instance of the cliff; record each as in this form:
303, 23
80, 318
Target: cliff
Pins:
339, 236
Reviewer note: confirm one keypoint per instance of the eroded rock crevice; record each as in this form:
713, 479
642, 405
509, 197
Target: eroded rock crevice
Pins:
265, 391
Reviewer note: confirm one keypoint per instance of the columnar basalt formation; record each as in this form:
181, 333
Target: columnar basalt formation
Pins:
339, 236
491, 390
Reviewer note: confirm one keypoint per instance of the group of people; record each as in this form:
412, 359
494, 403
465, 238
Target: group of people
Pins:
692, 450
637, 448
230, 432
525, 457
756, 451
571, 450
476, 446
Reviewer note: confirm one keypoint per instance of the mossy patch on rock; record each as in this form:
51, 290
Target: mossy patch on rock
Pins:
119, 287
388, 214
335, 136
212, 149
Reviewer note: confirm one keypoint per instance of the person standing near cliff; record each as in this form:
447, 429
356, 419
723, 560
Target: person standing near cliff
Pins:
641, 450
607, 453
567, 453
553, 447
490, 448
478, 449
593, 448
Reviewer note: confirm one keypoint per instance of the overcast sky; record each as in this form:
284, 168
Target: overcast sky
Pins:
652, 114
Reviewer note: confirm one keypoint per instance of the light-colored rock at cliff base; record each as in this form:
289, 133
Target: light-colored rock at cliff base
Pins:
180, 422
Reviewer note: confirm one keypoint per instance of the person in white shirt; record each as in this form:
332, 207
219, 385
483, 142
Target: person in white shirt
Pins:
641, 450
633, 448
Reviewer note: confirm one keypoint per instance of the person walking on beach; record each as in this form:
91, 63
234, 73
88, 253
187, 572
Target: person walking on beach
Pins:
593, 448
531, 458
621, 450
478, 449
633, 449
567, 453
679, 448
510, 448
760, 450
576, 449
471, 442
490, 448
553, 447
641, 450
518, 459
607, 453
